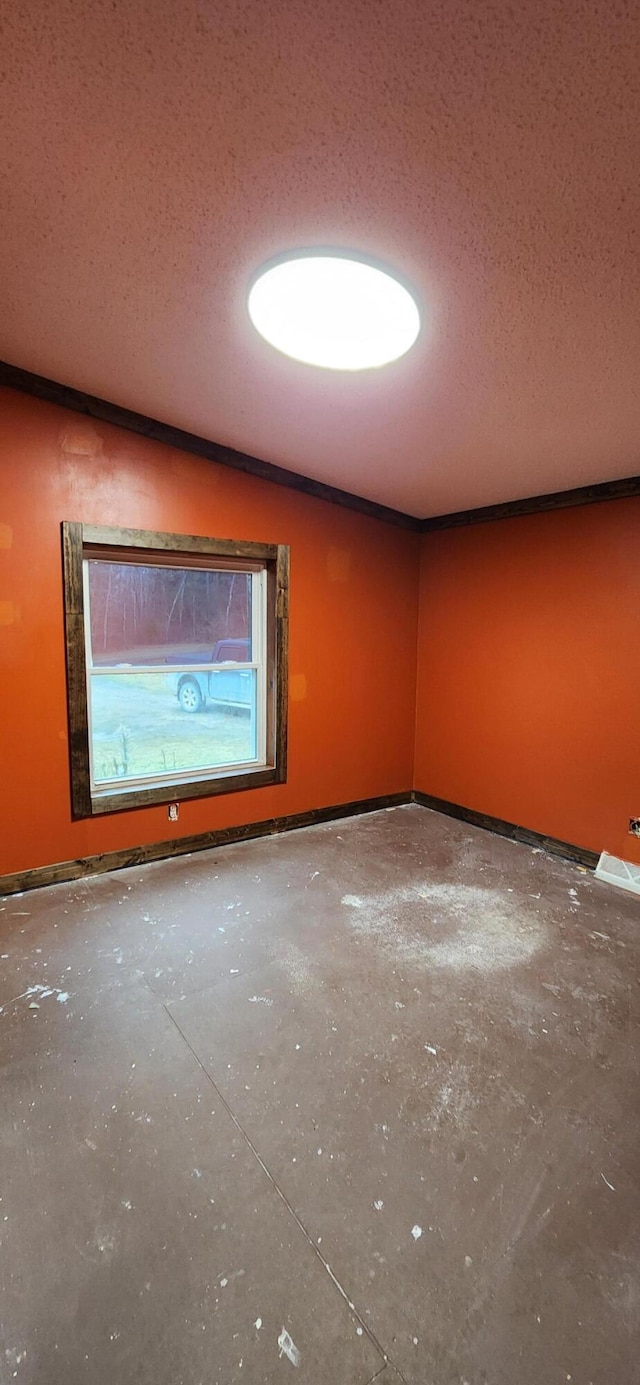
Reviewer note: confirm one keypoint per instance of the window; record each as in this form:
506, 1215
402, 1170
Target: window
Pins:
176, 666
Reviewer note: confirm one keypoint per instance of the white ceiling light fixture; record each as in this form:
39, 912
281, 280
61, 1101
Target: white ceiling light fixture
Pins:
333, 308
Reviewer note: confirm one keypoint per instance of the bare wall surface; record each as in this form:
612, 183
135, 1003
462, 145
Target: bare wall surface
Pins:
353, 628
529, 672
529, 661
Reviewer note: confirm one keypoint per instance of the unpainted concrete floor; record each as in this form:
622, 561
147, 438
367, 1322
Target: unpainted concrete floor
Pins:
358, 1102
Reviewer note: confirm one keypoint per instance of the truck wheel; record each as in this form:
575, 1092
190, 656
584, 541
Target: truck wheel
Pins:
189, 696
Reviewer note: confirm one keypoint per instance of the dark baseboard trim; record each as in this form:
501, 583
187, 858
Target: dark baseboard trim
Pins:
536, 504
64, 871
27, 383
525, 835
182, 846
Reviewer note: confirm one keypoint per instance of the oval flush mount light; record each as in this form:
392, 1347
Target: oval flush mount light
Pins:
333, 309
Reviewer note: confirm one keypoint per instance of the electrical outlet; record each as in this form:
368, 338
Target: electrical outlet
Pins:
173, 811
634, 827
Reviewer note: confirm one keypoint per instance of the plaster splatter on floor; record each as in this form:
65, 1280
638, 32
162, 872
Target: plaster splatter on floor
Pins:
295, 964
43, 992
454, 1099
288, 1347
459, 927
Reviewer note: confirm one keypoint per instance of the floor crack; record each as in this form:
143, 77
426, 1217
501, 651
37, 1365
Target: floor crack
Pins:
283, 1197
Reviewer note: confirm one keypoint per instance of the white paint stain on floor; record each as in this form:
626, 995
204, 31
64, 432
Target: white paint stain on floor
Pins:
43, 992
295, 964
288, 1347
14, 1357
457, 927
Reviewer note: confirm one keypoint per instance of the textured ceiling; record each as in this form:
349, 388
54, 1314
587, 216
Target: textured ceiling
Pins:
153, 154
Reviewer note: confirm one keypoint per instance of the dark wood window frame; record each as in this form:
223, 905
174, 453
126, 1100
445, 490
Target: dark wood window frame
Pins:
80, 541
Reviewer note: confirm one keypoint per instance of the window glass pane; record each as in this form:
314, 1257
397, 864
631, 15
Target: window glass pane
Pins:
154, 615
166, 724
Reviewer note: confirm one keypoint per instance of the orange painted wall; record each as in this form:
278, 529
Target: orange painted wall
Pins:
353, 633
527, 645
528, 702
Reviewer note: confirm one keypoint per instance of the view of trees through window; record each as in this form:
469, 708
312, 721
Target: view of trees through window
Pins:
143, 614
